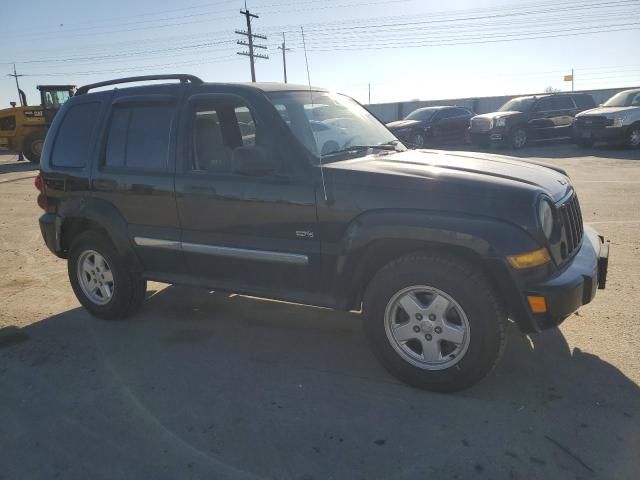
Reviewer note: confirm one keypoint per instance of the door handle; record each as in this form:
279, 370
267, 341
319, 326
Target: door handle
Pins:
104, 185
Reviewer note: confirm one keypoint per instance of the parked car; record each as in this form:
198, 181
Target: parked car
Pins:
433, 125
438, 250
527, 119
617, 121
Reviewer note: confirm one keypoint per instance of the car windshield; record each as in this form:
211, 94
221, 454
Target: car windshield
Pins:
421, 115
624, 99
517, 105
328, 123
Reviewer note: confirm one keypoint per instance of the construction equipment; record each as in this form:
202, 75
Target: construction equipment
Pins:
23, 129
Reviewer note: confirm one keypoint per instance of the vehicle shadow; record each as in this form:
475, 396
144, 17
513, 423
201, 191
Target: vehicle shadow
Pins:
208, 385
25, 166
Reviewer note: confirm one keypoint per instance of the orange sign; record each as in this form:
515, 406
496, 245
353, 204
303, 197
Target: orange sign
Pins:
568, 78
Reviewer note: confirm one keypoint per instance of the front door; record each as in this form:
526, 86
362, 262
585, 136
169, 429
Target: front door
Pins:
243, 232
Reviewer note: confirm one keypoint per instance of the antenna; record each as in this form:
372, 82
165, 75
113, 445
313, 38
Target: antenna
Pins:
306, 60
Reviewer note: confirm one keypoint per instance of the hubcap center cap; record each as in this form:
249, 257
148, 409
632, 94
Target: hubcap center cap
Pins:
426, 328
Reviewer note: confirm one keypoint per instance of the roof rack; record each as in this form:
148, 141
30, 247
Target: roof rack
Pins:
183, 79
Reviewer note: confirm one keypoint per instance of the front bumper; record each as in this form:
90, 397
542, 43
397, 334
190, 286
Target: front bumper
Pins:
564, 292
491, 136
607, 134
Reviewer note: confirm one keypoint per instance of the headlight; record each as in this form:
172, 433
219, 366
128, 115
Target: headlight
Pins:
618, 121
500, 122
545, 215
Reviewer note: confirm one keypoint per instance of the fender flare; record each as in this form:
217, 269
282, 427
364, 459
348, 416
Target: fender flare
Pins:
103, 214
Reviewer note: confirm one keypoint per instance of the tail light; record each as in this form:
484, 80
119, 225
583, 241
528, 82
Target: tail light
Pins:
43, 201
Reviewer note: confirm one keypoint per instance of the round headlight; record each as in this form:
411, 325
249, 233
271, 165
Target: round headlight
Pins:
545, 214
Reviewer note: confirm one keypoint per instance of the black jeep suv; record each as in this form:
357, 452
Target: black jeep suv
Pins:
527, 119
225, 186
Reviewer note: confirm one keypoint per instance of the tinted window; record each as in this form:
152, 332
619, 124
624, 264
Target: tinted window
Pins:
139, 136
543, 105
461, 112
218, 129
73, 141
562, 103
584, 101
446, 113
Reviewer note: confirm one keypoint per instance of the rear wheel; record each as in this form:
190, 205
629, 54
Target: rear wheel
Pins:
434, 322
32, 145
100, 278
633, 136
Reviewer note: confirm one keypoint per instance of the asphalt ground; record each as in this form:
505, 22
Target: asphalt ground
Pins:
208, 385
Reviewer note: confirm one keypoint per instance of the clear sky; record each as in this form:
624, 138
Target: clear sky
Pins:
406, 49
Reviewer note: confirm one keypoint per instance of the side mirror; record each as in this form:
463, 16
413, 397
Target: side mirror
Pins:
252, 161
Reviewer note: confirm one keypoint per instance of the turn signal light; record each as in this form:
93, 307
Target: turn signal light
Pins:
537, 304
529, 259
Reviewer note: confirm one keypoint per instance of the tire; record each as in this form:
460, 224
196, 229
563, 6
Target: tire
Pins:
32, 145
127, 288
632, 139
474, 308
418, 140
518, 138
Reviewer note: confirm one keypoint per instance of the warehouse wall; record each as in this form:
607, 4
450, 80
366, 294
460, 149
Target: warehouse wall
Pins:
388, 112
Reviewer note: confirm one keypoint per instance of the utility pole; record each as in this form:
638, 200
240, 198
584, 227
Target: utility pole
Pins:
15, 75
572, 79
369, 93
284, 55
249, 42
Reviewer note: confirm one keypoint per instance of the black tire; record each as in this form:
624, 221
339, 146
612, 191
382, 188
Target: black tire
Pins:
32, 145
128, 288
469, 288
632, 139
516, 136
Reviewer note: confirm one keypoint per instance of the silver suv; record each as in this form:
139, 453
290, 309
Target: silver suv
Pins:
617, 120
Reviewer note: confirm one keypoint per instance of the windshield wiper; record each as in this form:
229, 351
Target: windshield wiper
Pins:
390, 147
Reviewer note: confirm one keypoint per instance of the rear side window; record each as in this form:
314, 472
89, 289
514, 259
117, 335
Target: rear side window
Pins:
562, 103
73, 141
139, 137
584, 101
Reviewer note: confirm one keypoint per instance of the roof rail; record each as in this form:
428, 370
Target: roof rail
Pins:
182, 77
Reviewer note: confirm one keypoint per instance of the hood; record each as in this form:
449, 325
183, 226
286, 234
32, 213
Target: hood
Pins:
607, 110
464, 168
491, 115
402, 124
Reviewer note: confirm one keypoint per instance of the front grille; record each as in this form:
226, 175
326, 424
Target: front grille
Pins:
480, 125
593, 121
572, 226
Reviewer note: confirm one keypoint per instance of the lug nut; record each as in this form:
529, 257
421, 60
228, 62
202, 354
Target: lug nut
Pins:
416, 329
432, 317
438, 330
418, 316
428, 337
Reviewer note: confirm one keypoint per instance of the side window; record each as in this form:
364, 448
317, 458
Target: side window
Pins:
73, 140
446, 113
584, 101
218, 130
543, 105
636, 100
139, 137
562, 103
462, 112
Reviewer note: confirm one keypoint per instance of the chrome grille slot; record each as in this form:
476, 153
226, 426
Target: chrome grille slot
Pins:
573, 229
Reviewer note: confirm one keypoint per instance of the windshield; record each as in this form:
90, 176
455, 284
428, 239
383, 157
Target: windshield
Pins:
55, 98
517, 105
421, 115
330, 123
624, 99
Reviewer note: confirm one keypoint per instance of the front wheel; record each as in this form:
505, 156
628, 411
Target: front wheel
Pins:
633, 136
434, 322
518, 138
100, 278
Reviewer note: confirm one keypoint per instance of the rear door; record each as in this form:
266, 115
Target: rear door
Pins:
565, 111
243, 233
135, 173
541, 120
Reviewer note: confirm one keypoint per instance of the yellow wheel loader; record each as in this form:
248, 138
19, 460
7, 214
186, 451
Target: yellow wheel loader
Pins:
23, 129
